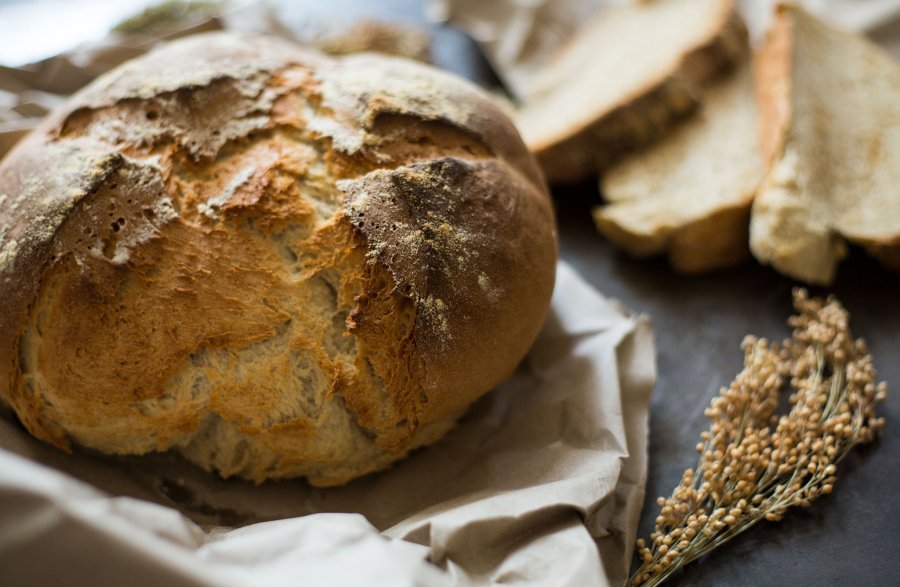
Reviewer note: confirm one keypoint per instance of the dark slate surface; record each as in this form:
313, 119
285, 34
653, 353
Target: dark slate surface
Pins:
851, 537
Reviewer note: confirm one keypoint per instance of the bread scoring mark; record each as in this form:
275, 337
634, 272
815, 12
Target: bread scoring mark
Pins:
233, 64
348, 92
408, 93
201, 120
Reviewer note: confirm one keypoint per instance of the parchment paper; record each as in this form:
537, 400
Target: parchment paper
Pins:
540, 484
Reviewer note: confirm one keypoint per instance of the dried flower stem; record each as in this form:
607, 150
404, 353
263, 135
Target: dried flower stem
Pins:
755, 464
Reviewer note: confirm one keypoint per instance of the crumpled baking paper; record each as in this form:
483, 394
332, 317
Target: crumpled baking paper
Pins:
540, 484
520, 36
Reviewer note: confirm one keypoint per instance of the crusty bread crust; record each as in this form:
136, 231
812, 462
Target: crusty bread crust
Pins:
278, 263
591, 141
714, 241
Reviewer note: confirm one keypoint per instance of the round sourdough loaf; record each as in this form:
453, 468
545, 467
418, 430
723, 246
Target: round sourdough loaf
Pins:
274, 262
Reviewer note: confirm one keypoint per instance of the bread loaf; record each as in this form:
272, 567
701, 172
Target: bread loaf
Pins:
830, 133
624, 79
272, 261
689, 195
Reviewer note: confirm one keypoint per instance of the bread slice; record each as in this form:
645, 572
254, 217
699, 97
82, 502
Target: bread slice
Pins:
830, 132
630, 72
690, 194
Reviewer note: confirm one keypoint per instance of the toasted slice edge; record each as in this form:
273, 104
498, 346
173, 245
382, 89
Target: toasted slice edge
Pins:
830, 131
689, 196
624, 79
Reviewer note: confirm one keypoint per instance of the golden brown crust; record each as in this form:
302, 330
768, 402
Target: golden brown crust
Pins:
772, 65
193, 271
714, 242
435, 225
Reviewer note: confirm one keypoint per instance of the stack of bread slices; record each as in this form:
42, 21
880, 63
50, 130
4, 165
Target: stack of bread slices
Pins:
709, 151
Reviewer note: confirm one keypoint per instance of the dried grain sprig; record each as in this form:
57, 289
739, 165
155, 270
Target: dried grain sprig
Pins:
755, 464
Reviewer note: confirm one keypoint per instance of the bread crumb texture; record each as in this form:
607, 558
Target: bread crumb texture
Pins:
624, 79
830, 131
689, 195
277, 263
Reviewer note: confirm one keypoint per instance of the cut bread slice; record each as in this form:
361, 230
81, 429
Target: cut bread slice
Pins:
623, 78
830, 132
690, 194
